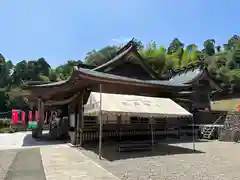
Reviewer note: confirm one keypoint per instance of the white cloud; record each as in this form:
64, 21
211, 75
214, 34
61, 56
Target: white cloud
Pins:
120, 40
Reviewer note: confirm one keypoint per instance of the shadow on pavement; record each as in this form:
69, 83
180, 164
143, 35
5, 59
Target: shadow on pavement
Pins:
46, 139
110, 153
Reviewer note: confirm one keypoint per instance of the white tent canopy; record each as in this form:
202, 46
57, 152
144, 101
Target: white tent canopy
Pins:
131, 105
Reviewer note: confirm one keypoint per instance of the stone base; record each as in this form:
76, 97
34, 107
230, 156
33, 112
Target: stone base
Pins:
72, 145
37, 133
34, 133
72, 137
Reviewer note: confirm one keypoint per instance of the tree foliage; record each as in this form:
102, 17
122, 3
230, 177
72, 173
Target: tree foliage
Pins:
223, 63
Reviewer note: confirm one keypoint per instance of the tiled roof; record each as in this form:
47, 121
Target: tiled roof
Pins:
186, 76
183, 78
115, 77
100, 75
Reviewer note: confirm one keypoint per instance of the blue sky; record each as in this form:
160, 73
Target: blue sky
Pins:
60, 30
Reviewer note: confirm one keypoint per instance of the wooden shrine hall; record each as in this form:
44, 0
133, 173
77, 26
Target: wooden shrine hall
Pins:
126, 74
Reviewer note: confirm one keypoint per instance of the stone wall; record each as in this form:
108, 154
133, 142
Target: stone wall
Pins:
231, 128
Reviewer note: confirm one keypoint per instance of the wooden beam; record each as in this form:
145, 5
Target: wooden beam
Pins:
62, 102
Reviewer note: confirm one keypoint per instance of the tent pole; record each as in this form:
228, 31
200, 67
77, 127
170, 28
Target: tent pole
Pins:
152, 132
193, 129
100, 124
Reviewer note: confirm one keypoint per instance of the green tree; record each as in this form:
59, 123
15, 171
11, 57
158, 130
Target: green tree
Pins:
174, 46
209, 47
102, 56
43, 67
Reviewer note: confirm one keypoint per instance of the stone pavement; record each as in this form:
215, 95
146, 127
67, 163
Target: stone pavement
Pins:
21, 164
64, 163
27, 165
41, 161
58, 162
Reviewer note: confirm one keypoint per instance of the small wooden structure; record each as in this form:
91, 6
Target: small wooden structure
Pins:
127, 73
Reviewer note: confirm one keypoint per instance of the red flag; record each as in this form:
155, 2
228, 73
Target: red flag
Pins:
23, 118
30, 116
239, 108
14, 116
36, 115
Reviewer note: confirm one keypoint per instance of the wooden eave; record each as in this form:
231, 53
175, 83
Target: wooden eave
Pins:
85, 78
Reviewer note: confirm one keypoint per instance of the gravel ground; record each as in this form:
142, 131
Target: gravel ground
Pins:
213, 160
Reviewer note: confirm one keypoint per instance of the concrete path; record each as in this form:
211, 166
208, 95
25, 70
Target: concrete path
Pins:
23, 158
27, 165
64, 163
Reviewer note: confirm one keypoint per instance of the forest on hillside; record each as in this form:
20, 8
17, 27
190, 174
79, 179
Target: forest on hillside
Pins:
223, 62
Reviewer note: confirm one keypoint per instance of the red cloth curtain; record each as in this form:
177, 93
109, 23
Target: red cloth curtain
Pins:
36, 115
14, 116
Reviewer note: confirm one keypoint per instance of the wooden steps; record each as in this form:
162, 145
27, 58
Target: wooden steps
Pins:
208, 132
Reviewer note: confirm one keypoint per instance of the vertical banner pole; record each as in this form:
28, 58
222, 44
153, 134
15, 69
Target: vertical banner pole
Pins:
100, 123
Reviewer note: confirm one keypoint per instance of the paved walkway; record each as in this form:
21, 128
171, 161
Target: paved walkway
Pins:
27, 165
65, 163
23, 158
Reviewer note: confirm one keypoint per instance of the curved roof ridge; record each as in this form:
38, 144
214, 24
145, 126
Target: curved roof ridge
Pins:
53, 84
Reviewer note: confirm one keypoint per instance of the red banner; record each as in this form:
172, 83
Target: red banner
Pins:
239, 108
36, 115
14, 116
30, 117
23, 118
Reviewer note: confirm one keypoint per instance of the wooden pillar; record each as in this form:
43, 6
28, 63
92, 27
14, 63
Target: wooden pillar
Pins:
41, 117
72, 125
193, 130
76, 122
37, 133
81, 120
100, 124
